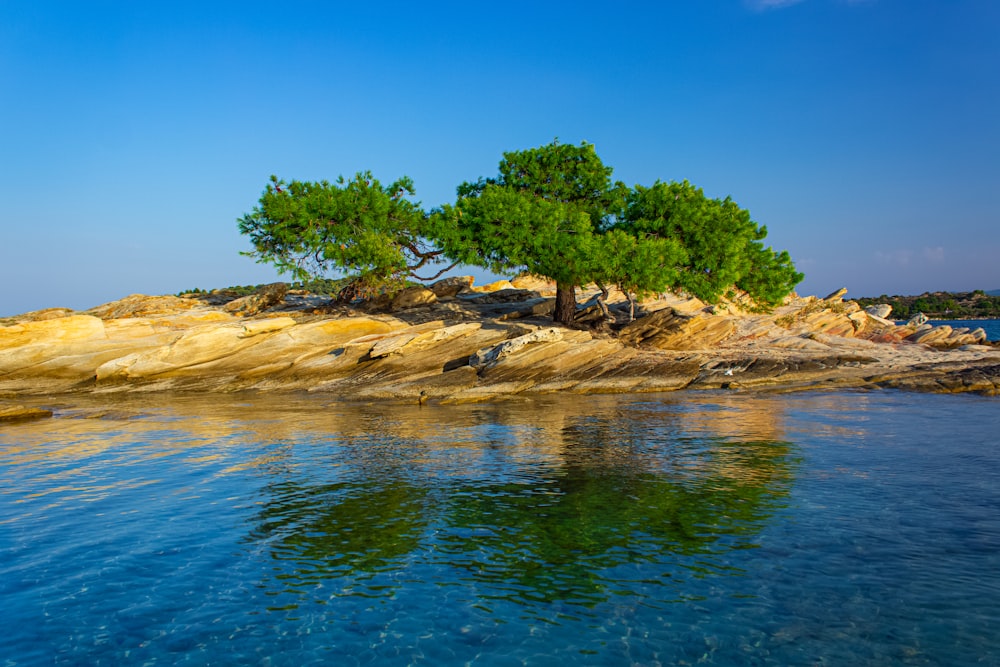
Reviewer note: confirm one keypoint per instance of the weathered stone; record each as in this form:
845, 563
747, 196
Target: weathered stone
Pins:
917, 320
667, 329
412, 297
257, 327
836, 296
265, 297
881, 310
932, 336
534, 308
827, 321
490, 356
493, 287
190, 346
510, 295
451, 286
140, 305
798, 343
527, 281
45, 314
59, 330
880, 320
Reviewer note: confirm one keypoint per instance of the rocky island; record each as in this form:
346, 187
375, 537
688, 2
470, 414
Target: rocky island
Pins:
457, 342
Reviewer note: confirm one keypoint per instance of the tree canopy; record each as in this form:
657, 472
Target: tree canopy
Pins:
721, 245
541, 214
359, 227
553, 211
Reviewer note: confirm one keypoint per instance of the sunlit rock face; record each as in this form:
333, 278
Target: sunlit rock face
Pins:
265, 297
668, 329
454, 343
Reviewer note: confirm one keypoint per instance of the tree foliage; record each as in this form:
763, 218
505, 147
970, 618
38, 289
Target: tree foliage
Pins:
721, 244
360, 227
553, 211
542, 213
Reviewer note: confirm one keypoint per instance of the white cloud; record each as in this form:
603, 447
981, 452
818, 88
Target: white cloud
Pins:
935, 255
900, 257
764, 5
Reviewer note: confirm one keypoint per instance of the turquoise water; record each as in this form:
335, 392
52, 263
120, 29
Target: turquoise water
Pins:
688, 528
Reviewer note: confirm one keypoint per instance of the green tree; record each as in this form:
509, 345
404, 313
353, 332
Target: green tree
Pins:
638, 264
722, 244
553, 211
372, 233
543, 213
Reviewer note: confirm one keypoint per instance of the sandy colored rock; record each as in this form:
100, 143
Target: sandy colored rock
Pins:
61, 329
452, 286
265, 297
491, 346
257, 327
493, 287
491, 356
533, 283
38, 315
140, 305
668, 329
412, 297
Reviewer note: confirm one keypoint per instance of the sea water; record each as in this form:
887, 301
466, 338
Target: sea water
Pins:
688, 528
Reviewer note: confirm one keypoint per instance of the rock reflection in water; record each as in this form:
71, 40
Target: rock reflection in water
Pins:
529, 502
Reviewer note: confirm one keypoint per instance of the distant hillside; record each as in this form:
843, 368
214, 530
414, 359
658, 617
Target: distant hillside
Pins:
941, 305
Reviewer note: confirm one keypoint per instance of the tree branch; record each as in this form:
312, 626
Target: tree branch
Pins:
438, 274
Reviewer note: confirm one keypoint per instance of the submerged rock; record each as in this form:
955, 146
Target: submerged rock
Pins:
17, 413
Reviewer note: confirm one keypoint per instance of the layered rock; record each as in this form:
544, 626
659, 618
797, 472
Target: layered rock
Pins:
471, 345
265, 297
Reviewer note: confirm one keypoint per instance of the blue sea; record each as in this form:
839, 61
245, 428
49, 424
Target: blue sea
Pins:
706, 528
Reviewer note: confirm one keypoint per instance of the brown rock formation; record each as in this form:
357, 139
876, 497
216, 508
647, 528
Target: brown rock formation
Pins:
261, 300
483, 346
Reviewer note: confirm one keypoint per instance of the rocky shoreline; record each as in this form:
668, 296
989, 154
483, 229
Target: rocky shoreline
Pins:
456, 342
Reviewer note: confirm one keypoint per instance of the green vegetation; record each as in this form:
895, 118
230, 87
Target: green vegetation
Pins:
327, 286
940, 305
552, 211
361, 227
719, 246
543, 214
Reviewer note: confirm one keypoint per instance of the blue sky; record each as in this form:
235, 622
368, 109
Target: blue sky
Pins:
864, 134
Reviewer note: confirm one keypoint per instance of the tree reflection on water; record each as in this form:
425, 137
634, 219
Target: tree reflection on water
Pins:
528, 503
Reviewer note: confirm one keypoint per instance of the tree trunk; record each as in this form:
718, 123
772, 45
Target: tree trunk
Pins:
565, 303
602, 301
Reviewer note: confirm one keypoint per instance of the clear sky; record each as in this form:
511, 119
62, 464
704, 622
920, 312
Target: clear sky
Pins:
864, 134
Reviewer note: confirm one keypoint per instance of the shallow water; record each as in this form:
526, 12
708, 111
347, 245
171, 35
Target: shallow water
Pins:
704, 528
